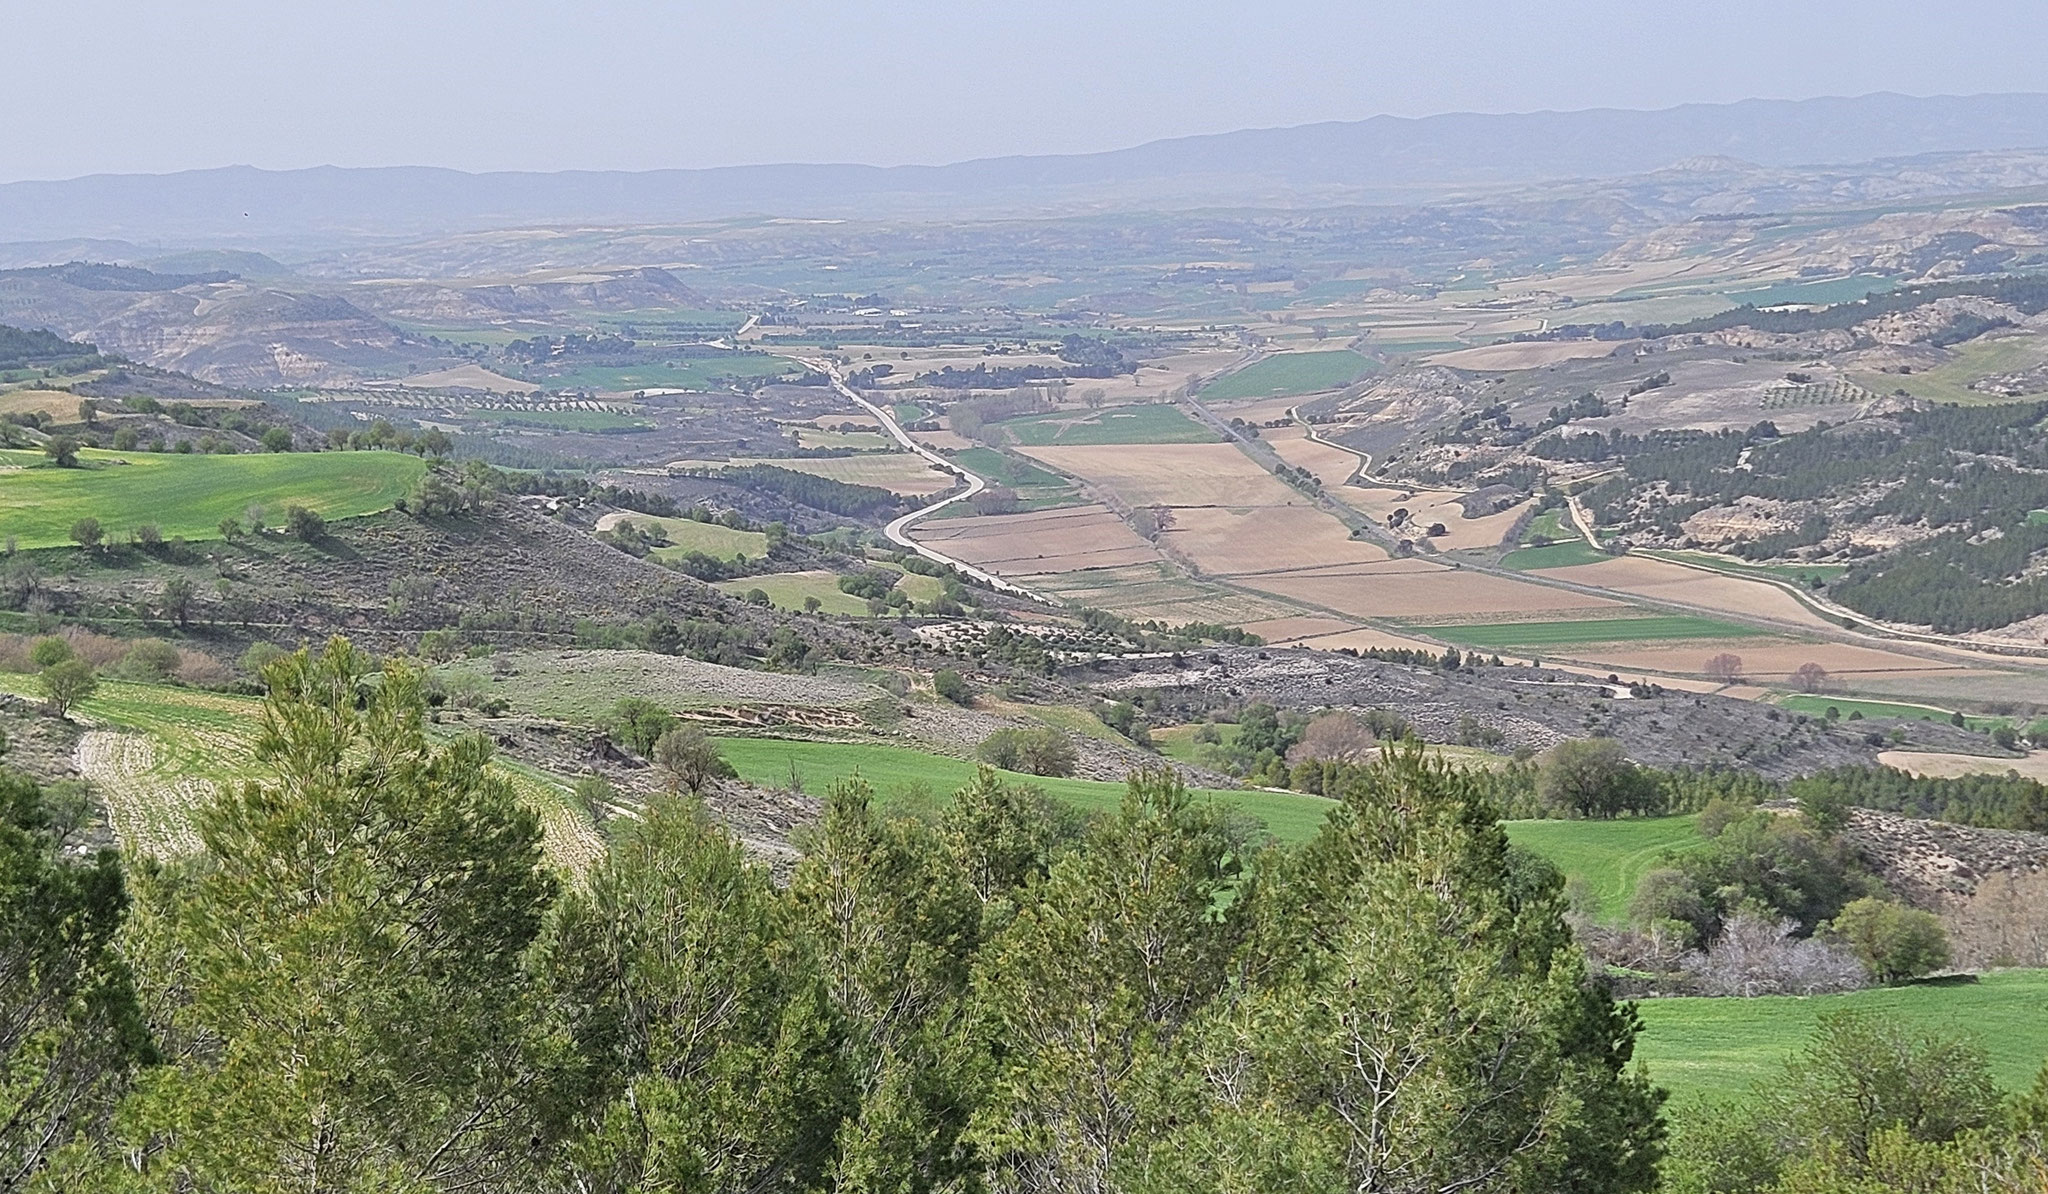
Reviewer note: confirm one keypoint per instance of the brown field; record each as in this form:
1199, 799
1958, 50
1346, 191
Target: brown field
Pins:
1506, 358
1242, 541
1295, 629
1439, 592
470, 377
1172, 474
1332, 466
897, 472
1257, 410
1041, 542
1765, 660
1365, 639
1937, 765
1427, 506
1646, 577
61, 405
847, 422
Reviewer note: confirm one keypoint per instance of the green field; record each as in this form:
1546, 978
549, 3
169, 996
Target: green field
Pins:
1818, 294
687, 535
1002, 469
692, 373
1290, 373
188, 496
1718, 1048
1117, 425
1950, 381
561, 420
1611, 856
1591, 630
900, 772
1818, 706
1568, 554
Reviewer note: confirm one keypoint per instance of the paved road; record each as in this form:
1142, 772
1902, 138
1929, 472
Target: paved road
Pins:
899, 530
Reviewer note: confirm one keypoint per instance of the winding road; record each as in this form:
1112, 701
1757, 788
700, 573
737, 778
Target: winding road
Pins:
899, 530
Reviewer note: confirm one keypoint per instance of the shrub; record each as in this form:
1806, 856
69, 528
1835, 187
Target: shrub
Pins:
277, 439
950, 685
1036, 750
62, 451
1758, 956
304, 524
86, 532
47, 652
67, 683
687, 759
260, 656
152, 660
1894, 941
637, 723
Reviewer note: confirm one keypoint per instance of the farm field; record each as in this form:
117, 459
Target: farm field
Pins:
1590, 630
1661, 579
1332, 466
1421, 589
1942, 765
1950, 380
1819, 705
1172, 474
558, 420
687, 534
188, 496
1718, 1048
584, 685
694, 373
787, 591
470, 377
1610, 856
903, 773
1038, 543
1290, 373
898, 472
1510, 356
1570, 554
1250, 541
1426, 507
1771, 660
159, 754
1151, 424
1031, 482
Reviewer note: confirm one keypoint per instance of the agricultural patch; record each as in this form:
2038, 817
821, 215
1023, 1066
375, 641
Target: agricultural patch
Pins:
1291, 373
1154, 424
1590, 630
188, 496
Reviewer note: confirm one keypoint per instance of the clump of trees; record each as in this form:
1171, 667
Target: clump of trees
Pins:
1034, 750
369, 978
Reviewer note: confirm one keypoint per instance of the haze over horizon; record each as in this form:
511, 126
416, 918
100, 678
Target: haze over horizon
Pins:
635, 85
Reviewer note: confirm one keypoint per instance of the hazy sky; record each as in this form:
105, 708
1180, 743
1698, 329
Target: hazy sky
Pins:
158, 85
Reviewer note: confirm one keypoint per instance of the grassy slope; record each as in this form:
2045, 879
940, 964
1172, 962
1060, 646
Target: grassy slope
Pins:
904, 773
1718, 1047
1117, 425
1591, 630
189, 495
1290, 373
1611, 856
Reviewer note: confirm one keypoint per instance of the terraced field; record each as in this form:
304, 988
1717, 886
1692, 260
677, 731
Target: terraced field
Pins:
188, 496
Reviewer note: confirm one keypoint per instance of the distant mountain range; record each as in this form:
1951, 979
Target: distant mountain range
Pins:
1384, 159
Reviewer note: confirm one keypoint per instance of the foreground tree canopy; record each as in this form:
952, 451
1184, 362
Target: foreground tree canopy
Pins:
369, 979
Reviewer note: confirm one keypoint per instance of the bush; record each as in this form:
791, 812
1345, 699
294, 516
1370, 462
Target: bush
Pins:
304, 524
47, 652
1758, 956
687, 759
86, 532
277, 439
1894, 941
62, 451
950, 685
152, 660
67, 683
637, 723
1035, 750
260, 656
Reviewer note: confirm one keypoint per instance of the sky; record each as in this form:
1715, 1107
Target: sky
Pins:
152, 86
